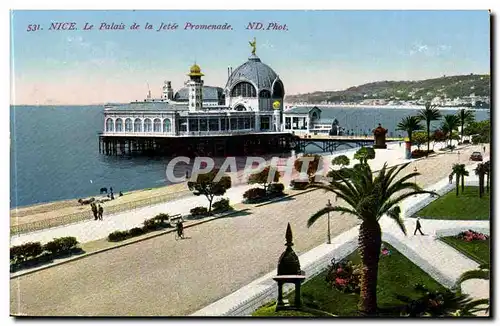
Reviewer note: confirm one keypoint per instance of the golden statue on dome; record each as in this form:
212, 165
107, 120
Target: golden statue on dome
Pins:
253, 45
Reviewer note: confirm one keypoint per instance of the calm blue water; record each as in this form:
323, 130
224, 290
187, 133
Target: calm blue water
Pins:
55, 151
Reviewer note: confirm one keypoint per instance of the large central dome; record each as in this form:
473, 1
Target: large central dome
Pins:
255, 72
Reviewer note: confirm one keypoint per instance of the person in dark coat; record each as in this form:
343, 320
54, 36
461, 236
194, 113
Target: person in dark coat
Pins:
94, 210
418, 227
101, 210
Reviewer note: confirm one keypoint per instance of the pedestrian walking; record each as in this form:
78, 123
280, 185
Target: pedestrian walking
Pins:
94, 210
484, 149
418, 227
101, 210
450, 178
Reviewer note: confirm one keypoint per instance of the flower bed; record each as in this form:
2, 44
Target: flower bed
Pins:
470, 235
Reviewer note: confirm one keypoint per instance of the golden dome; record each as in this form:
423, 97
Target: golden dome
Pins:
195, 71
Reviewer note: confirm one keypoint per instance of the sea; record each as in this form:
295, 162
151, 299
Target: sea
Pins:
55, 151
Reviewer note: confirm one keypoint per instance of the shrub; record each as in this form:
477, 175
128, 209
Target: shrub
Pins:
60, 245
161, 217
134, 232
199, 211
25, 251
420, 153
254, 194
299, 185
221, 205
151, 224
117, 236
276, 189
344, 276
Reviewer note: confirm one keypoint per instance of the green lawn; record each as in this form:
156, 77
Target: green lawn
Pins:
397, 275
477, 250
467, 206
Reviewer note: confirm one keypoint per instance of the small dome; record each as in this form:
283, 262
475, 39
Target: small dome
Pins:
195, 71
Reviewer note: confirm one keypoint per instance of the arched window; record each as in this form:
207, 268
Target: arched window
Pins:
157, 125
278, 90
128, 125
137, 125
119, 125
110, 125
244, 89
265, 94
240, 107
147, 125
166, 125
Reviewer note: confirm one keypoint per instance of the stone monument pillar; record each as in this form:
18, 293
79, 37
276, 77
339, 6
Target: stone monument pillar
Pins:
379, 135
289, 272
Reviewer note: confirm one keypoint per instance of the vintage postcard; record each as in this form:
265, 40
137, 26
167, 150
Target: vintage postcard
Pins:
250, 163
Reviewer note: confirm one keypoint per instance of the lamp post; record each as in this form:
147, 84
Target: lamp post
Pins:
458, 156
415, 170
329, 204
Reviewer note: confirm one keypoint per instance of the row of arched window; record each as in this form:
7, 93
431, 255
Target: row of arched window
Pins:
246, 89
138, 125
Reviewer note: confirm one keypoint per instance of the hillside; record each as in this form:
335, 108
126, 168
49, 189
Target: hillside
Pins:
451, 87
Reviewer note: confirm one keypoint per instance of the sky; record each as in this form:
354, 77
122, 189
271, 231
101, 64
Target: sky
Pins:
317, 51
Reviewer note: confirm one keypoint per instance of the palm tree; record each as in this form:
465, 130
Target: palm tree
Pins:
430, 113
465, 117
409, 124
450, 123
487, 167
480, 171
460, 172
369, 197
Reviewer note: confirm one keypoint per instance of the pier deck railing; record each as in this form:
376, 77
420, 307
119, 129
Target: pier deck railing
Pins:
87, 214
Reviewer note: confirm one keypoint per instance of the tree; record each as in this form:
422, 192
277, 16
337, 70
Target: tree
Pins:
460, 172
264, 177
409, 124
480, 171
364, 154
429, 114
343, 161
487, 171
465, 117
370, 197
419, 138
313, 165
479, 130
207, 184
450, 123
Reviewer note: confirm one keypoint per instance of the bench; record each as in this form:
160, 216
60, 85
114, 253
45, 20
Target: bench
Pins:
174, 219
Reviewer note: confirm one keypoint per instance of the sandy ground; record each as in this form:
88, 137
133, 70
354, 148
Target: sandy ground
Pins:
164, 277
52, 210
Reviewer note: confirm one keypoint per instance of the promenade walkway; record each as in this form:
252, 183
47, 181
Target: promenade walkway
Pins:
163, 277
90, 230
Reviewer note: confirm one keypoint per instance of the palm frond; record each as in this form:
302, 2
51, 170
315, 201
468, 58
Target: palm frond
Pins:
395, 214
325, 210
479, 274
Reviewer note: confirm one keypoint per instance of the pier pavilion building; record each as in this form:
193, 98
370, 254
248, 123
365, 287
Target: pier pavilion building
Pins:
243, 118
